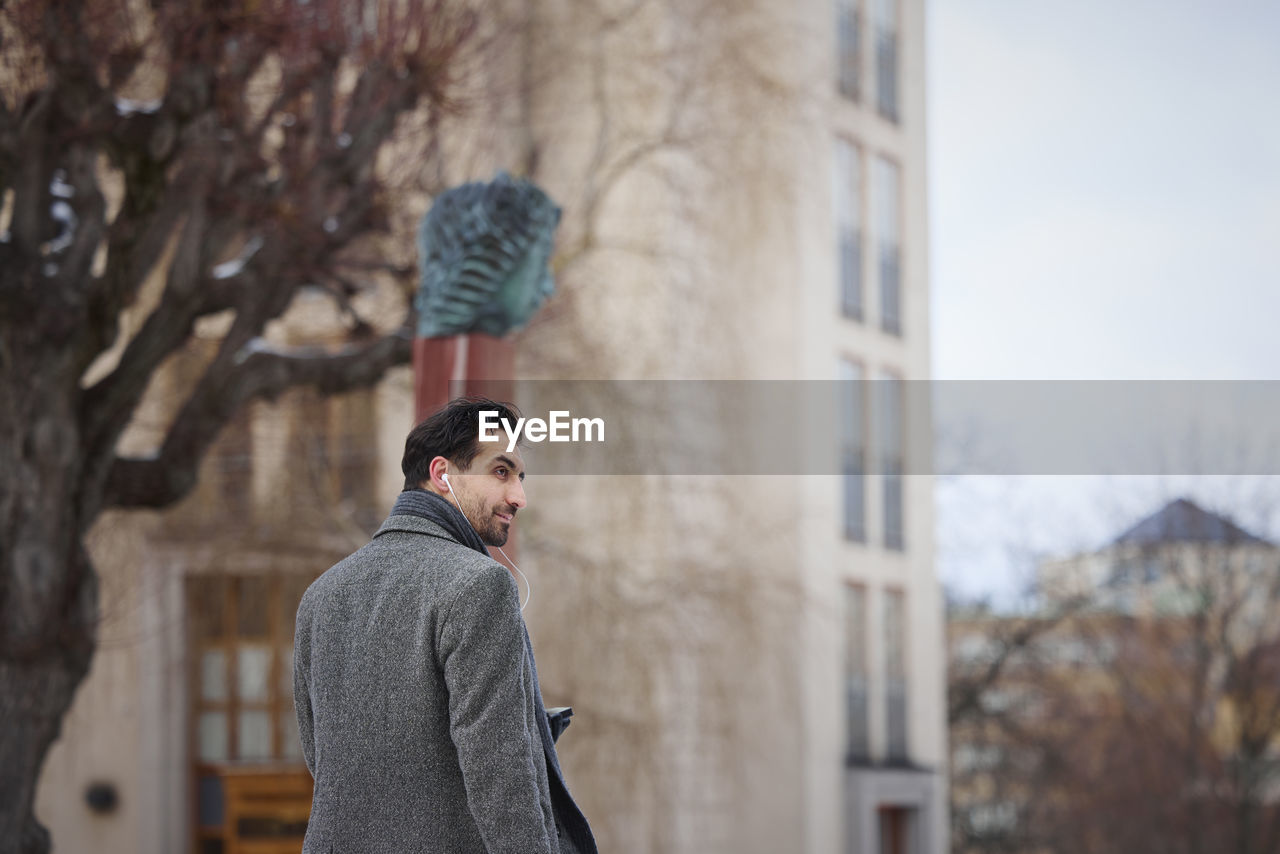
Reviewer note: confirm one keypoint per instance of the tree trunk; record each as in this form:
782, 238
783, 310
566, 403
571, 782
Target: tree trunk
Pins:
48, 590
34, 695
36, 689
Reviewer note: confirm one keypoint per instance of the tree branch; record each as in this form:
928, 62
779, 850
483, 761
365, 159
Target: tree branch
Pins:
143, 146
107, 406
965, 696
31, 186
258, 373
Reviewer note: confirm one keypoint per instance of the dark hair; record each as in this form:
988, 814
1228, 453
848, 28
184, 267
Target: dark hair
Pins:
452, 432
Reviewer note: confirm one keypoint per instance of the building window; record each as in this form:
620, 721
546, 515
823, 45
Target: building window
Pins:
969, 758
848, 48
885, 27
224, 489
892, 457
353, 448
853, 450
241, 674
993, 819
336, 441
895, 669
233, 457
848, 196
857, 727
886, 199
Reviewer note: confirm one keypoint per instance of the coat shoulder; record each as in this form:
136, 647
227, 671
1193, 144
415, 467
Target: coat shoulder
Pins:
399, 556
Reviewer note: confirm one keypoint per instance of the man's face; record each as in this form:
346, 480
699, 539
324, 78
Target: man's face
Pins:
491, 490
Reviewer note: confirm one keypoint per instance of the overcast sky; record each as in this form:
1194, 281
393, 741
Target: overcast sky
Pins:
1105, 188
1104, 204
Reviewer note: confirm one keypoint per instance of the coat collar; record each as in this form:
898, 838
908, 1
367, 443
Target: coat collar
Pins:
413, 525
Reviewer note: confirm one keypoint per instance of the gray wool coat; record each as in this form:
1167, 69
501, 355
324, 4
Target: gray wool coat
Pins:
418, 705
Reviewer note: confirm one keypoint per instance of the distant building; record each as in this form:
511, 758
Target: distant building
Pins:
1180, 606
1159, 566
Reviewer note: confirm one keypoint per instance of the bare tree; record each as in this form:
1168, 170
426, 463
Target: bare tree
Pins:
1009, 640
225, 155
1149, 718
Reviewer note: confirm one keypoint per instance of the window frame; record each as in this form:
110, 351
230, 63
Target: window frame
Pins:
198, 588
897, 681
887, 58
848, 64
889, 228
891, 458
850, 194
854, 455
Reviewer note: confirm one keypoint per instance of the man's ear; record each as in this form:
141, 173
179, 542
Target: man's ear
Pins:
438, 468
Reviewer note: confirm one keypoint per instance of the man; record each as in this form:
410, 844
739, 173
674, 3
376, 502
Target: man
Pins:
417, 697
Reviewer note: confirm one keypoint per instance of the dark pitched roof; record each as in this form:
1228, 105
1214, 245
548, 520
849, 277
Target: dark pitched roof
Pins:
1182, 521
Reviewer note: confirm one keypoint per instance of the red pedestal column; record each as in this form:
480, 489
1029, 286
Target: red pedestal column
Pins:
460, 366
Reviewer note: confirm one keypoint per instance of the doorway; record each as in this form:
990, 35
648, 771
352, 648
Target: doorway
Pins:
895, 828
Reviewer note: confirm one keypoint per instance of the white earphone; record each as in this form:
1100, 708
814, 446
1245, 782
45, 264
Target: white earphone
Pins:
445, 477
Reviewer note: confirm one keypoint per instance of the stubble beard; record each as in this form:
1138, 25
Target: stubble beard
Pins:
495, 533
491, 530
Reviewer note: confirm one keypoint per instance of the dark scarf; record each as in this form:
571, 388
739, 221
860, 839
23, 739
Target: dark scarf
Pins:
434, 508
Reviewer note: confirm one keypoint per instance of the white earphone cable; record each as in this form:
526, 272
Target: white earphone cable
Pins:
528, 586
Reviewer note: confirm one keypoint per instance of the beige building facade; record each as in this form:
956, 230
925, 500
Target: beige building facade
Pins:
755, 662
800, 677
